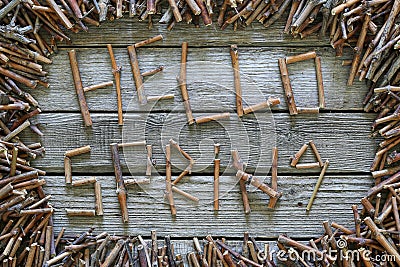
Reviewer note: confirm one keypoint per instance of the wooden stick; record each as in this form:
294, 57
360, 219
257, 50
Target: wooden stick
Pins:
154, 247
79, 88
13, 165
58, 258
77, 151
152, 72
80, 212
6, 190
307, 110
274, 177
148, 41
98, 86
36, 211
161, 97
149, 163
308, 165
121, 189
368, 206
168, 173
263, 105
183, 84
136, 74
60, 14
236, 78
60, 235
317, 186
387, 88
185, 194
320, 82
80, 182
135, 181
194, 7
19, 78
396, 213
204, 13
175, 10
117, 76
338, 9
215, 117
216, 184
19, 178
75, 8
193, 260
301, 57
298, 155
238, 164
67, 170
287, 86
316, 153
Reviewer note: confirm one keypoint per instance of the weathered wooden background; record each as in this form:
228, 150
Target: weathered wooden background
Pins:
340, 132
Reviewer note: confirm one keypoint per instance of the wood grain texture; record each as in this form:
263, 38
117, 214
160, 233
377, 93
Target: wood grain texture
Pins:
210, 80
340, 137
148, 210
135, 31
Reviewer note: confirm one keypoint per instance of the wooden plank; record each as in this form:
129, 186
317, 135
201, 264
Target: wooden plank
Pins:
210, 80
340, 137
135, 31
148, 210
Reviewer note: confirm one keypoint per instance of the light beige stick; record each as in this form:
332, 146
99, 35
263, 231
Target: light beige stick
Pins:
97, 86
317, 186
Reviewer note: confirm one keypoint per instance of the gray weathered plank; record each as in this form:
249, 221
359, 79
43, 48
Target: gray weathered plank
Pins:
127, 31
210, 79
148, 210
340, 137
